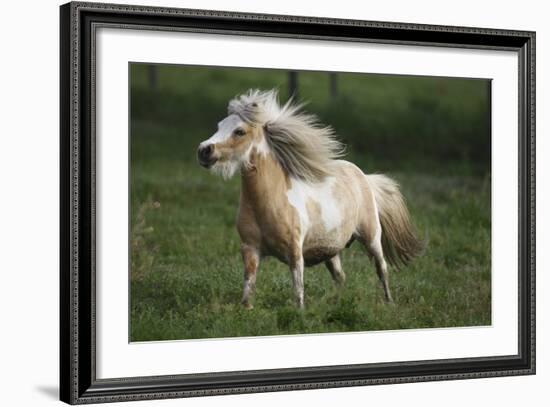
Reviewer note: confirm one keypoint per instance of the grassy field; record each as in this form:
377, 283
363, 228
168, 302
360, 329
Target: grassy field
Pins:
431, 134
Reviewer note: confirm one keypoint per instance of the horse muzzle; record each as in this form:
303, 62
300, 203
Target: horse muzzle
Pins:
206, 157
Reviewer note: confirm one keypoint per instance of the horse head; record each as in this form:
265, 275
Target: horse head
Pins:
236, 137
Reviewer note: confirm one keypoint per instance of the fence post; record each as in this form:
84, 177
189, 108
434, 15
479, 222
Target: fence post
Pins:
293, 84
333, 79
152, 77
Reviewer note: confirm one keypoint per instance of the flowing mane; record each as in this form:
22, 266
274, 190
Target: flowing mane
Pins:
303, 147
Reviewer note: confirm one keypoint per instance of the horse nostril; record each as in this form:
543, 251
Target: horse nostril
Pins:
205, 152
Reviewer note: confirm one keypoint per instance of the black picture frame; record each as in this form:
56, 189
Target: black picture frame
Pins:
78, 382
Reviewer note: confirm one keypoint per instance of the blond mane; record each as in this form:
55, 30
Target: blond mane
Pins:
304, 148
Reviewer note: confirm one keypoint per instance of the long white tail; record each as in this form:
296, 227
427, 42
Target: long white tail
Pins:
399, 240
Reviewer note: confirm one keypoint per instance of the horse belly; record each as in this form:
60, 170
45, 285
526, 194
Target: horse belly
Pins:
315, 255
321, 245
328, 214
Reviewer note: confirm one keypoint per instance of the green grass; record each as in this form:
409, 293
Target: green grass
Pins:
186, 271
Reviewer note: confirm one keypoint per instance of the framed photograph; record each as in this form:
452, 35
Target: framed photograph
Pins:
254, 203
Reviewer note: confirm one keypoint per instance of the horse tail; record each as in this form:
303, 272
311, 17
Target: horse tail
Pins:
399, 241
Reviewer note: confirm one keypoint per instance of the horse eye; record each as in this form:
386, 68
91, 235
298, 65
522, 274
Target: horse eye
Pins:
239, 132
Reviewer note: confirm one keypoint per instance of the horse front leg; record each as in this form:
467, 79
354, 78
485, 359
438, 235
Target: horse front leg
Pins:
251, 260
297, 269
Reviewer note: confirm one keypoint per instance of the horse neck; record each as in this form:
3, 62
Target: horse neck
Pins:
264, 182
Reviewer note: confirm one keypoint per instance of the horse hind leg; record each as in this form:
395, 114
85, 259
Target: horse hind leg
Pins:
375, 249
334, 266
372, 240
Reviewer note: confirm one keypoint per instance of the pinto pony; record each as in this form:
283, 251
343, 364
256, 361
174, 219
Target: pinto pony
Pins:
299, 202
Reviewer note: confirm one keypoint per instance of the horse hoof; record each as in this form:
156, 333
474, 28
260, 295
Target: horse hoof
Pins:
248, 306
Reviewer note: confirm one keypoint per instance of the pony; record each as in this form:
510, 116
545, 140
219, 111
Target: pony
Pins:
299, 201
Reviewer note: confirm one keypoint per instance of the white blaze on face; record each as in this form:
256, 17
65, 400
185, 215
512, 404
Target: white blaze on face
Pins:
225, 130
300, 192
225, 167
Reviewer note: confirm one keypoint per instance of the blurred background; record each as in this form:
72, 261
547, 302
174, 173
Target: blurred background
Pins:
393, 122
432, 134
